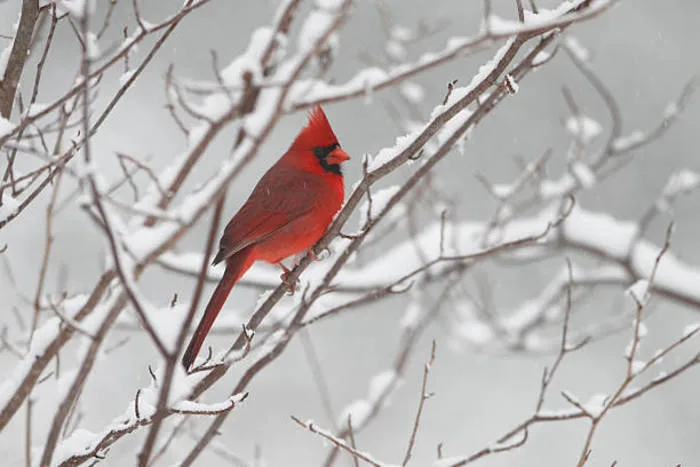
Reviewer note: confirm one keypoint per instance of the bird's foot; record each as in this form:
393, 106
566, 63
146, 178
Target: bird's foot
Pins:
291, 285
325, 253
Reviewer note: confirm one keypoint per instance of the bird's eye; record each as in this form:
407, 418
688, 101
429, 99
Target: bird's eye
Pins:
325, 156
322, 152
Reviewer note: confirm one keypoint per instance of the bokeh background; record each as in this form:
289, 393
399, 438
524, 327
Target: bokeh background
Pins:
645, 50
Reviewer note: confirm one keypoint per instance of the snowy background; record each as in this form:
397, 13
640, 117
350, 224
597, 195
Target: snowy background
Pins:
645, 50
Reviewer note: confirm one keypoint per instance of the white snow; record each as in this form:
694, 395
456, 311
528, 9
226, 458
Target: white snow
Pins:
388, 153
358, 410
7, 51
6, 127
130, 43
216, 104
36, 108
638, 366
4, 57
484, 70
41, 339
596, 404
379, 388
401, 33
555, 188
317, 23
691, 329
91, 46
452, 126
10, 205
530, 311
305, 90
512, 85
77, 8
576, 48
681, 182
544, 17
583, 128
78, 442
671, 111
82, 441
395, 50
639, 292
249, 60
199, 407
501, 190
125, 77
671, 274
331, 5
583, 174
380, 199
642, 331
540, 58
469, 326
412, 91
381, 383
657, 358
600, 231
624, 143
661, 375
501, 26
476, 332
412, 315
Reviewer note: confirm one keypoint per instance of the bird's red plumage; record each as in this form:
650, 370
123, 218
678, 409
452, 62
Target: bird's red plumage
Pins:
288, 211
317, 132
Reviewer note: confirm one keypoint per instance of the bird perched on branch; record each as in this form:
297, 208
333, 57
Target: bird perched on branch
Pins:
288, 211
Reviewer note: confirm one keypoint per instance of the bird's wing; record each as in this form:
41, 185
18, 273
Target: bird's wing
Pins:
280, 197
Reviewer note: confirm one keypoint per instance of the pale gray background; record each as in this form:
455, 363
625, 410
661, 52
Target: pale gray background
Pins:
645, 50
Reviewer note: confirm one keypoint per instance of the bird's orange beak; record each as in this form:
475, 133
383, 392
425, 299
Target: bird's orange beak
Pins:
337, 156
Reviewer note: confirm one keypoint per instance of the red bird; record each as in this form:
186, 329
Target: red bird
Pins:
288, 211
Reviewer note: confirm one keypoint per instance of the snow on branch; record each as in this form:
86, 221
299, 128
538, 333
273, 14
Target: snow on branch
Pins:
409, 243
328, 436
196, 408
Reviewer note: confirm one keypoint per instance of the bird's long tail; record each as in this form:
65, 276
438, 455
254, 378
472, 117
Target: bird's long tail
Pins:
236, 266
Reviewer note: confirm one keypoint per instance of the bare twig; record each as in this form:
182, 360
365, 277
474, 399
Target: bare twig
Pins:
424, 395
313, 428
47, 252
317, 372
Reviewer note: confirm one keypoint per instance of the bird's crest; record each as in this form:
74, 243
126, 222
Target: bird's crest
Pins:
317, 132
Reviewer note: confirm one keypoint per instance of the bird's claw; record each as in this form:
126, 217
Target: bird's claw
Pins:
321, 255
291, 285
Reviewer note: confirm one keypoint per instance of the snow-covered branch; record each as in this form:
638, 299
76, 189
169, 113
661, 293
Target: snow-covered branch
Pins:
403, 237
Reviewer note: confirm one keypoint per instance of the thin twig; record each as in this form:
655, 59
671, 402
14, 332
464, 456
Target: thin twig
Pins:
311, 426
317, 372
424, 396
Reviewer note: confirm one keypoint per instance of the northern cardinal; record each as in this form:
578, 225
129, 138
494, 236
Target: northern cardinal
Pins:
288, 211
